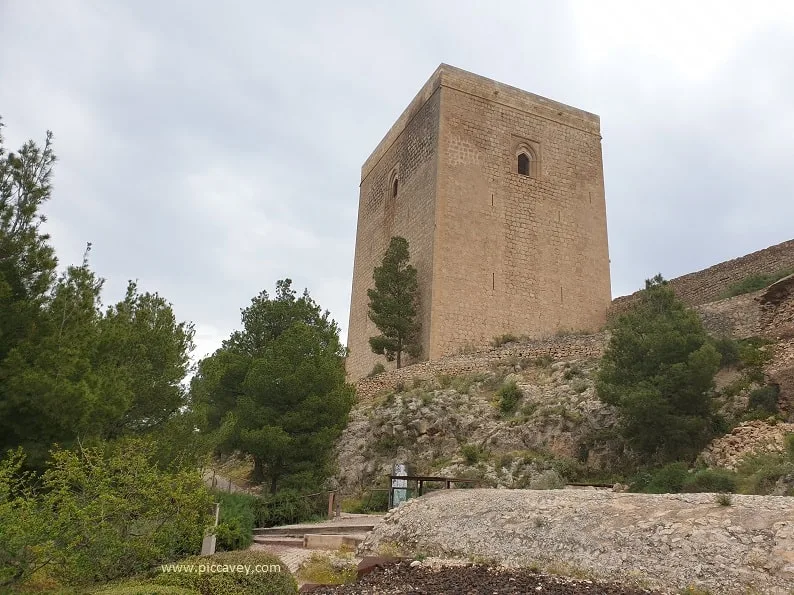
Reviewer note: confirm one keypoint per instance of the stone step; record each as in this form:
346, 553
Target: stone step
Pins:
298, 531
316, 541
280, 540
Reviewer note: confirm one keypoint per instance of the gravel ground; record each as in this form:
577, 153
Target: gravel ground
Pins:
475, 579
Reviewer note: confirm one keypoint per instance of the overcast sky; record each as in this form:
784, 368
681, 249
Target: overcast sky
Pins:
208, 149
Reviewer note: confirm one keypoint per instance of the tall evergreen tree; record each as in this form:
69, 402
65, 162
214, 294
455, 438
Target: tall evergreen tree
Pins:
67, 370
394, 304
276, 389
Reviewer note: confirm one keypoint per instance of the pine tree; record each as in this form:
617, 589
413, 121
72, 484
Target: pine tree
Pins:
394, 303
658, 370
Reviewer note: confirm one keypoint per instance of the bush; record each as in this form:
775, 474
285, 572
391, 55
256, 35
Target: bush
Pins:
509, 396
285, 508
369, 502
471, 453
711, 480
237, 519
724, 499
669, 479
728, 350
764, 400
378, 368
761, 473
107, 513
270, 582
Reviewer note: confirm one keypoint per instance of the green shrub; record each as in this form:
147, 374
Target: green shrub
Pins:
754, 353
669, 479
710, 480
789, 442
237, 519
728, 350
764, 399
509, 396
579, 386
284, 508
755, 283
378, 368
471, 453
276, 580
759, 474
724, 499
107, 512
370, 502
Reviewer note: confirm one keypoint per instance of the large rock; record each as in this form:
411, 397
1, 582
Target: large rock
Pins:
668, 541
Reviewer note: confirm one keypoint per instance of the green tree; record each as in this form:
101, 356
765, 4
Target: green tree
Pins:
393, 304
658, 370
27, 261
66, 369
276, 389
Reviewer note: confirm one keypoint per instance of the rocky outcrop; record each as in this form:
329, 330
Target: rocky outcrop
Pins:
752, 437
453, 426
564, 347
669, 541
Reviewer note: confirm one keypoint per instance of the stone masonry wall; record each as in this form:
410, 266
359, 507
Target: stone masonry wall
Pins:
738, 317
496, 252
706, 286
516, 254
410, 154
557, 348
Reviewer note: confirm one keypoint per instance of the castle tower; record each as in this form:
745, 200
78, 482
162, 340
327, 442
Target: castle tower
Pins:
500, 194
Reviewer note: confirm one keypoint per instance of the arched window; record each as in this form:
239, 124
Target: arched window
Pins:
394, 186
524, 164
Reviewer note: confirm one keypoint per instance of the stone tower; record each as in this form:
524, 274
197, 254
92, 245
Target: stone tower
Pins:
500, 194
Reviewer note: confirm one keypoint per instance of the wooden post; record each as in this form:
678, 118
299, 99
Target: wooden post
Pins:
331, 497
208, 545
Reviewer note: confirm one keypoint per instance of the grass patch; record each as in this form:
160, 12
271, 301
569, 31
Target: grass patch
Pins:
755, 283
323, 570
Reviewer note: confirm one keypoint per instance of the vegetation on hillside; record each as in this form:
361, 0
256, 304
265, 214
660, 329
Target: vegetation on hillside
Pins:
276, 389
755, 283
658, 370
394, 304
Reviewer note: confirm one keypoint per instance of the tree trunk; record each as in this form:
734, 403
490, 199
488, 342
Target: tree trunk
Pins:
399, 353
273, 482
259, 471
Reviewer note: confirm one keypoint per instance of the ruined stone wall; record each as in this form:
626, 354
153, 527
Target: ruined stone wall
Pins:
518, 254
707, 285
738, 317
557, 348
408, 153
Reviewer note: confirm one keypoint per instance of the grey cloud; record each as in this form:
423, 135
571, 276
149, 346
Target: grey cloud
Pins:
209, 149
